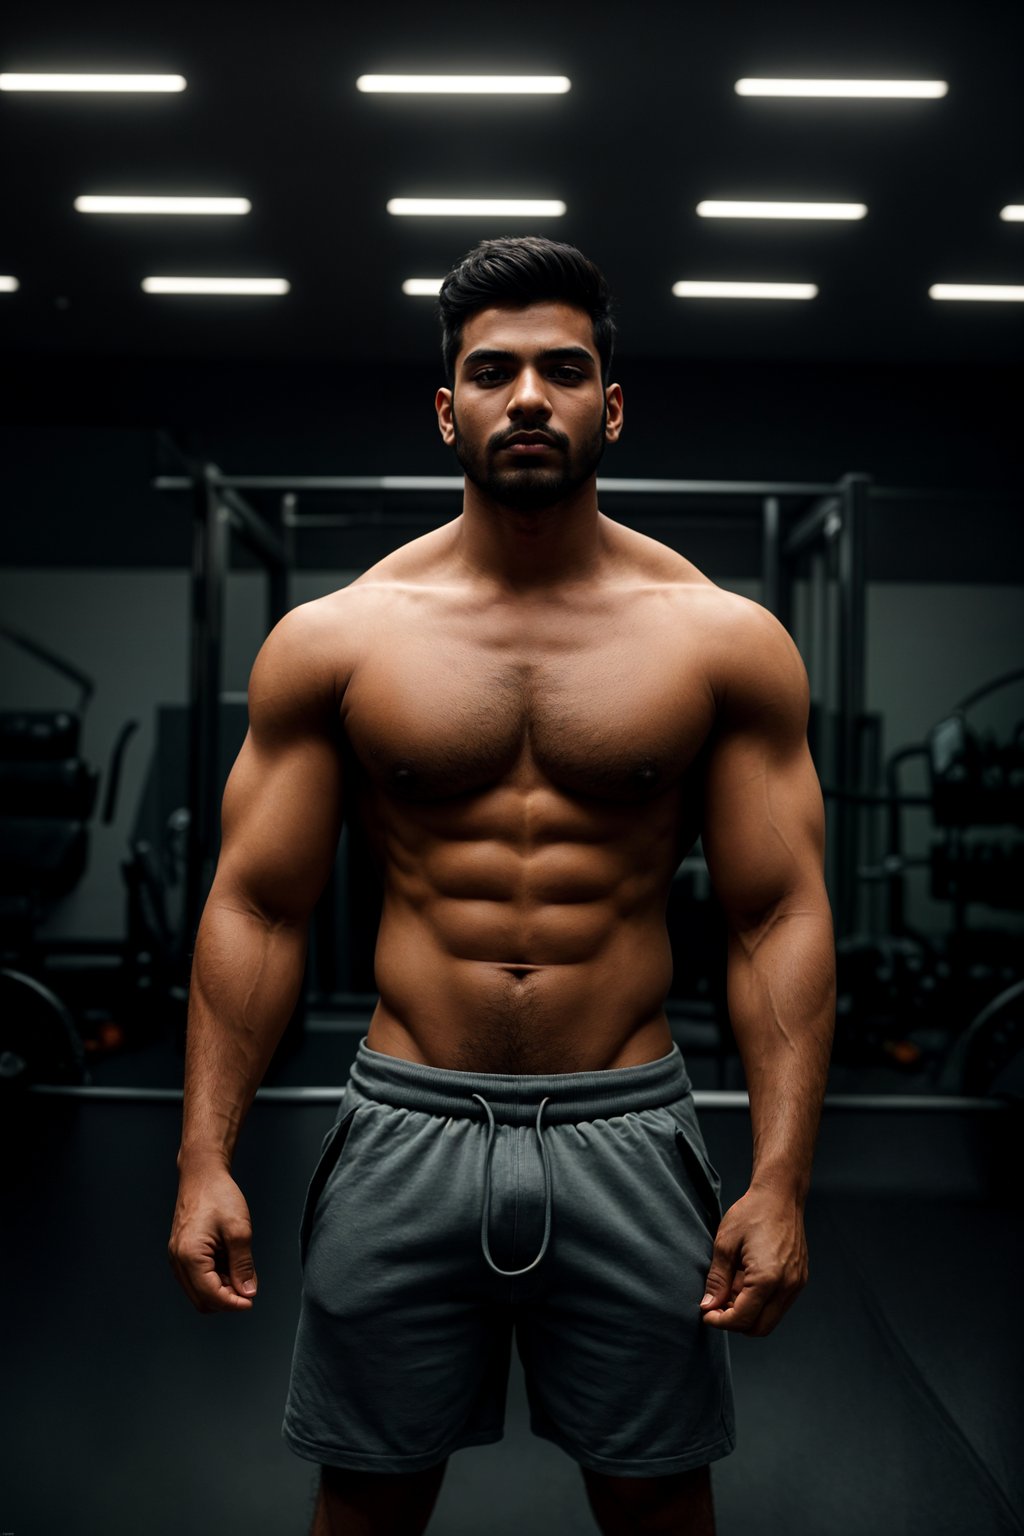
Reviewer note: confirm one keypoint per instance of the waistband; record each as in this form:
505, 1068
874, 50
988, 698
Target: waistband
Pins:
514, 1098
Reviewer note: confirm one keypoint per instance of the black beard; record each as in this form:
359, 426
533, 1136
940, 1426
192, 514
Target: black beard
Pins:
526, 487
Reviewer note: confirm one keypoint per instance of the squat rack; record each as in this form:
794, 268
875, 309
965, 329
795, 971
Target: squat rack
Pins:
817, 527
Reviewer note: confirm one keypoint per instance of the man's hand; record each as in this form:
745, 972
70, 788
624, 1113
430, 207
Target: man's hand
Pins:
759, 1265
210, 1249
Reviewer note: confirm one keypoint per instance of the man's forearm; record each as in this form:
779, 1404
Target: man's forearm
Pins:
246, 975
781, 988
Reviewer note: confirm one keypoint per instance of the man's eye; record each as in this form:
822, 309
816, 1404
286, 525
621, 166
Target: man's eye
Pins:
488, 375
567, 374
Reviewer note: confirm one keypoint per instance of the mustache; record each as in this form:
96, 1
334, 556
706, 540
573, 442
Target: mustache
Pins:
501, 439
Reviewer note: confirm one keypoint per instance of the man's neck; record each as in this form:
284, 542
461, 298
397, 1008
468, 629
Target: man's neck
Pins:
556, 546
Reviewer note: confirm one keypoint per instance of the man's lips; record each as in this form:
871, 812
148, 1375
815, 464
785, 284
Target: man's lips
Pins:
528, 445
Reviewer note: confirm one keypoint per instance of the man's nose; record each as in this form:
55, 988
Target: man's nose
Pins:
530, 396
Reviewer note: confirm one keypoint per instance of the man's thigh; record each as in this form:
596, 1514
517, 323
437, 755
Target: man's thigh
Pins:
679, 1503
353, 1503
399, 1358
621, 1369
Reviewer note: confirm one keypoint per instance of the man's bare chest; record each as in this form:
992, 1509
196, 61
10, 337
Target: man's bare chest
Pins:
618, 715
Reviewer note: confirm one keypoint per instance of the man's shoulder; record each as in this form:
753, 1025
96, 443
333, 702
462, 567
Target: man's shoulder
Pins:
749, 653
744, 620
754, 661
310, 653
327, 634
750, 657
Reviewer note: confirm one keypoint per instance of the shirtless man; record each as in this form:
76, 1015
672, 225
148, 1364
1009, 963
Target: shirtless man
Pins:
536, 711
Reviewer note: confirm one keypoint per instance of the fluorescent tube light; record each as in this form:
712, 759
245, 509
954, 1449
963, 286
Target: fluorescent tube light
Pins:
92, 82
260, 285
901, 88
468, 85
422, 287
162, 205
1003, 293
701, 290
720, 210
9, 285
460, 207
1013, 213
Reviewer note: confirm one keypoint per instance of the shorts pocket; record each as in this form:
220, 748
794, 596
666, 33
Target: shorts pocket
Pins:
330, 1152
703, 1177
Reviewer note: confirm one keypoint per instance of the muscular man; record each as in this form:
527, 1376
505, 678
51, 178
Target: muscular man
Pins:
535, 711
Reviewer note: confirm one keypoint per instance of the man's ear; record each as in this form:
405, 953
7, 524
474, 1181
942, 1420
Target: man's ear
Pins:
445, 416
614, 420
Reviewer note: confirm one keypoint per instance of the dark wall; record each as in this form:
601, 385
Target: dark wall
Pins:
79, 441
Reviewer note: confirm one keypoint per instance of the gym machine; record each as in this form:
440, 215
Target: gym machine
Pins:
891, 977
48, 795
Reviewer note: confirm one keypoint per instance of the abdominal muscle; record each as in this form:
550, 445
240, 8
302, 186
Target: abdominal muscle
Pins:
590, 999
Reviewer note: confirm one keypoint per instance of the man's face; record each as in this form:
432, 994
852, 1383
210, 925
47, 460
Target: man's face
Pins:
529, 417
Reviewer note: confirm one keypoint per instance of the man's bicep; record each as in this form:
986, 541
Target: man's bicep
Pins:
763, 832
280, 826
282, 807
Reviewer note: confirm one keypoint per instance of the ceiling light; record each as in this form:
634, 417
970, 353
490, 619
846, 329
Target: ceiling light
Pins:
162, 205
471, 85
910, 88
469, 206
998, 292
261, 285
713, 210
700, 290
422, 287
1013, 213
92, 82
9, 285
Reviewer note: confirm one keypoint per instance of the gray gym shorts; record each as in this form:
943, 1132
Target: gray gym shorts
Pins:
450, 1209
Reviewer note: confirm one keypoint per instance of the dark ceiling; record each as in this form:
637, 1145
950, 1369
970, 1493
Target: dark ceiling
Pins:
651, 126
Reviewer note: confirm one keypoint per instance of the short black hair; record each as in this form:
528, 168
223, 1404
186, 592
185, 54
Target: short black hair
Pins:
523, 269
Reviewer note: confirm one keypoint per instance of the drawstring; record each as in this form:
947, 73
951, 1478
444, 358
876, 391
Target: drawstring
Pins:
486, 1218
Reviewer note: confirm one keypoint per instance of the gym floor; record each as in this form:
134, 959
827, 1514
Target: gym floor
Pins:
887, 1401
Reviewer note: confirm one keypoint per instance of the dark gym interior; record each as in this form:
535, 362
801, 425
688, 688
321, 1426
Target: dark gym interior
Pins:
179, 470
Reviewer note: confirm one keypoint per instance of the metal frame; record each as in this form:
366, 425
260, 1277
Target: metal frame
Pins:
832, 536
218, 512
831, 539
823, 526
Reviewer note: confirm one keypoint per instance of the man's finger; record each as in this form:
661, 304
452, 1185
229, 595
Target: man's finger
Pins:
740, 1315
775, 1308
721, 1280
241, 1270
207, 1290
217, 1292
